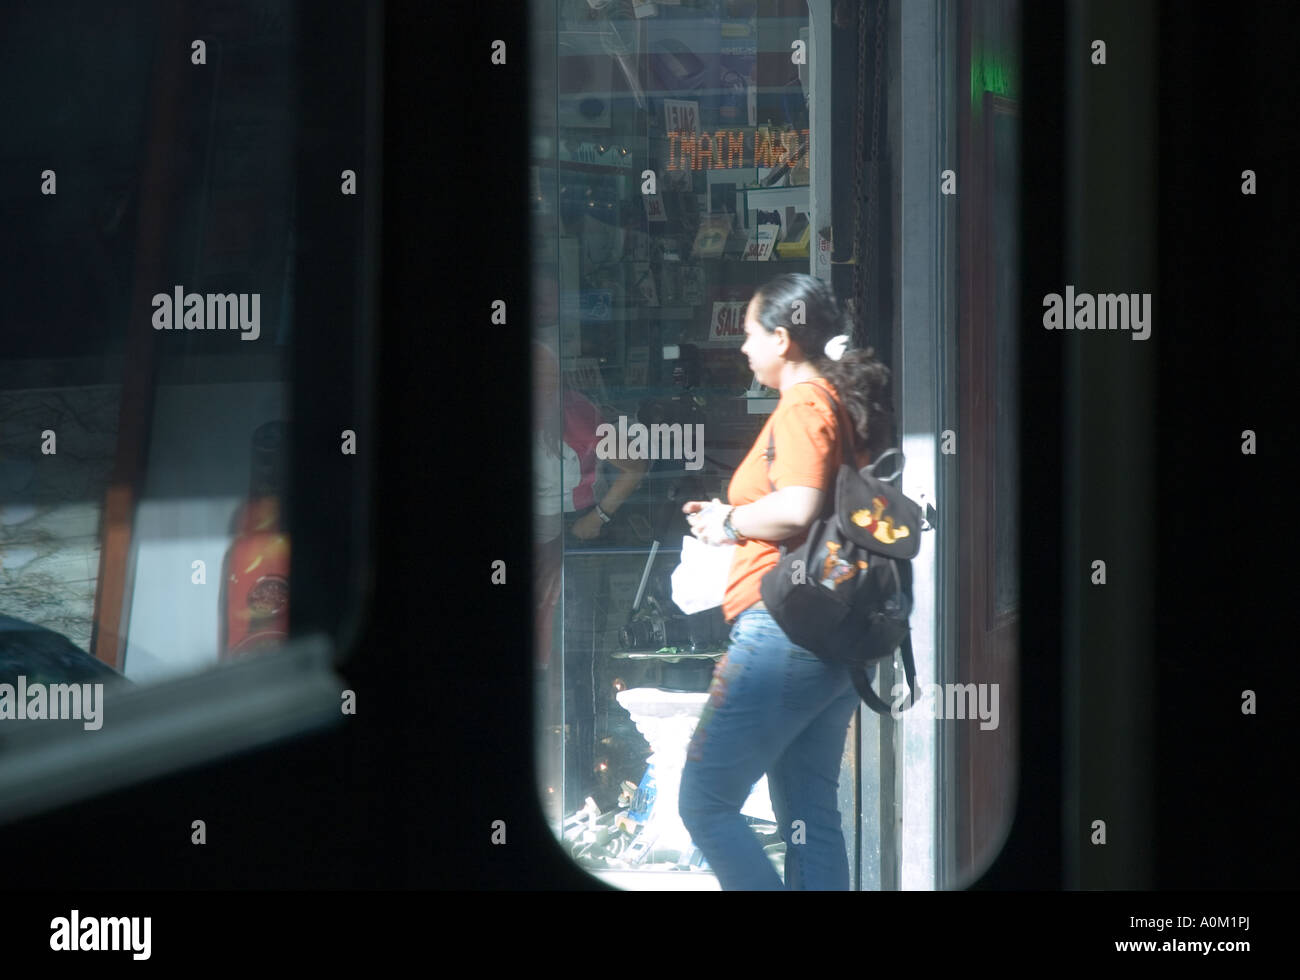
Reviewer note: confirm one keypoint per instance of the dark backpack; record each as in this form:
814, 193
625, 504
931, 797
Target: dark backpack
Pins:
855, 598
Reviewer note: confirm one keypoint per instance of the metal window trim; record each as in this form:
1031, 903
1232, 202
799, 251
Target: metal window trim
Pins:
922, 35
161, 728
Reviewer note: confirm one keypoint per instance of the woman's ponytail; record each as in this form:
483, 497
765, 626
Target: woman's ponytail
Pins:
863, 381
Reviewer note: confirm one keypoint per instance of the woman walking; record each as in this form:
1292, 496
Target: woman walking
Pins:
775, 707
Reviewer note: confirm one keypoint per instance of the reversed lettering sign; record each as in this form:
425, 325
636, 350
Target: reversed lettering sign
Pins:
727, 325
681, 115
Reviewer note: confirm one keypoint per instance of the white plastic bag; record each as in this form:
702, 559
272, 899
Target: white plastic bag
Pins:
701, 579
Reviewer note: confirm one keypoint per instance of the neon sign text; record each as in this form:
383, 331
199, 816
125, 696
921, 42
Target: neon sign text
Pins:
728, 149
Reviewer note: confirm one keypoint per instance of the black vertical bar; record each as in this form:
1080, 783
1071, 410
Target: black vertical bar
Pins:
1225, 593
1032, 855
1109, 437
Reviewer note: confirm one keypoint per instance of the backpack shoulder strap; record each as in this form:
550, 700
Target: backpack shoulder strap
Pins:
846, 437
846, 434
872, 699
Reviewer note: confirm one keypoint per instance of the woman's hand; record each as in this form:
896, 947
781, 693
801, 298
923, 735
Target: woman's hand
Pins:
705, 518
772, 517
588, 526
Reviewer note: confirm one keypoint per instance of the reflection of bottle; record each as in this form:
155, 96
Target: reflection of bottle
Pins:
643, 801
255, 576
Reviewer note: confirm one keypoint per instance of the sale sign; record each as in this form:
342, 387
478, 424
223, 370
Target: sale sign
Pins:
681, 115
727, 325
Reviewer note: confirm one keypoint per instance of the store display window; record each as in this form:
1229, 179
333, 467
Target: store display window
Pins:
672, 166
682, 155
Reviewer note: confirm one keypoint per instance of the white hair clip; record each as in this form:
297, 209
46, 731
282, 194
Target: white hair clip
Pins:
836, 346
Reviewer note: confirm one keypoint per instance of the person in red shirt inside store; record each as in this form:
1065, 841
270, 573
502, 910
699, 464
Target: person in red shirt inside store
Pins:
570, 493
775, 707
574, 505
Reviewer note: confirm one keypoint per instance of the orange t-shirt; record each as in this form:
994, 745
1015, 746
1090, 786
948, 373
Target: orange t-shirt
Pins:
807, 455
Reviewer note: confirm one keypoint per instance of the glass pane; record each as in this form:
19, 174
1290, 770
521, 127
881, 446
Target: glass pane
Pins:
661, 199
145, 355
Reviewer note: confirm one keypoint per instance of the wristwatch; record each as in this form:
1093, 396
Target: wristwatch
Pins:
729, 529
604, 518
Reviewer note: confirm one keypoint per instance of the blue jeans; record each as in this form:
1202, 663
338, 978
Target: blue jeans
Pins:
773, 707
